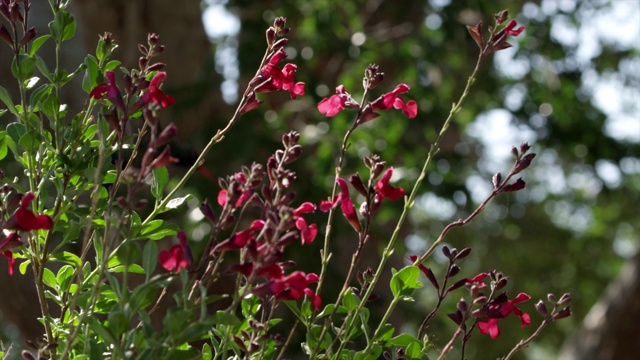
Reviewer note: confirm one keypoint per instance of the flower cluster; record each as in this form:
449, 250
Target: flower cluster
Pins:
374, 194
270, 77
341, 100
262, 243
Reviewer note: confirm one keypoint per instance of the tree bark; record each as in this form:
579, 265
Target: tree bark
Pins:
610, 329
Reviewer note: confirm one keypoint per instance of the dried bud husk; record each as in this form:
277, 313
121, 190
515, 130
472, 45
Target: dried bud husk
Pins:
476, 34
524, 147
166, 135
502, 282
456, 317
271, 36
5, 35
28, 36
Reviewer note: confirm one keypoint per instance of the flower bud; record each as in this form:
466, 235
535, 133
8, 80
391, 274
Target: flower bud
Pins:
501, 17
357, 184
566, 312
28, 36
271, 36
564, 299
4, 34
541, 308
515, 186
551, 298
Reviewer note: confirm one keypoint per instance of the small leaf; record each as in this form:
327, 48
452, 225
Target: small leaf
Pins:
175, 203
150, 258
405, 281
37, 43
160, 181
48, 278
5, 97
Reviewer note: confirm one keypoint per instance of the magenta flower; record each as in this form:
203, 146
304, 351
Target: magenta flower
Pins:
389, 100
387, 191
511, 30
241, 238
332, 105
178, 256
272, 78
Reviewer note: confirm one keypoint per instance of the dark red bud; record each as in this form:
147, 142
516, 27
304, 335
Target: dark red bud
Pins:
293, 154
457, 285
523, 163
357, 184
501, 17
156, 67
564, 299
476, 34
446, 252
164, 159
542, 308
515, 186
207, 211
497, 180
566, 312
280, 44
501, 283
453, 271
463, 253
166, 135
271, 36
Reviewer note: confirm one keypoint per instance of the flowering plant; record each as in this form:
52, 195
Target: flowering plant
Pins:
80, 220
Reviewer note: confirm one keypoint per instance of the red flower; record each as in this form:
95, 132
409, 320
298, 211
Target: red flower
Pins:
387, 191
11, 241
178, 256
153, 94
290, 287
389, 100
111, 88
511, 30
26, 220
244, 196
499, 308
307, 232
241, 238
332, 105
348, 210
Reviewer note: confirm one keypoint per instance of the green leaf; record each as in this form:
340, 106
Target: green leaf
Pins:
386, 332
23, 266
226, 318
372, 354
350, 300
48, 278
3, 145
67, 257
133, 268
206, 352
5, 97
92, 75
160, 181
403, 340
37, 43
405, 281
64, 277
31, 140
158, 229
250, 305
16, 131
63, 26
149, 258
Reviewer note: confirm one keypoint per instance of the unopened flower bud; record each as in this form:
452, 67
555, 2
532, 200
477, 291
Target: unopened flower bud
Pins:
208, 213
293, 154
541, 308
551, 298
156, 67
523, 163
501, 283
515, 186
463, 253
280, 43
501, 17
446, 252
166, 135
462, 306
357, 184
454, 270
480, 300
566, 312
271, 36
564, 299
497, 180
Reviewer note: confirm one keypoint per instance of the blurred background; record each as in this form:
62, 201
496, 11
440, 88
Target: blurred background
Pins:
570, 86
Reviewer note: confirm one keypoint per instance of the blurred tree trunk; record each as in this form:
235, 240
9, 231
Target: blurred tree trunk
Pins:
610, 329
